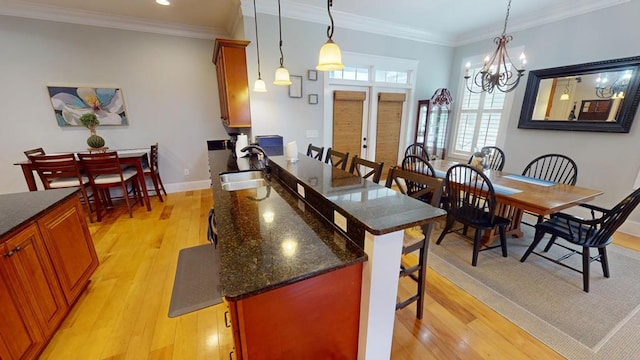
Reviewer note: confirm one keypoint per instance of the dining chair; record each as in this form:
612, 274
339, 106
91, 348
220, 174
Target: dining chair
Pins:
418, 165
495, 157
416, 239
315, 152
61, 171
153, 172
553, 167
472, 202
36, 151
556, 168
586, 233
337, 158
366, 169
105, 172
417, 149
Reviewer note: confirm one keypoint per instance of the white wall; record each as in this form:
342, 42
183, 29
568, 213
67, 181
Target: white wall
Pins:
169, 88
274, 112
609, 162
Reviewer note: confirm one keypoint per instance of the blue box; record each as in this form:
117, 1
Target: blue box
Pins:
272, 144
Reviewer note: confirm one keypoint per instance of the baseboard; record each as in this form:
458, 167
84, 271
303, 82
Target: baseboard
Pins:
630, 227
188, 186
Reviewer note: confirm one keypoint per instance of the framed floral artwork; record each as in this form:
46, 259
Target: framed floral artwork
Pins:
70, 103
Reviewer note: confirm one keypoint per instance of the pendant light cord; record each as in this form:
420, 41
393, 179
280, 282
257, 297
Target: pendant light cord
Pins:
330, 28
255, 18
280, 28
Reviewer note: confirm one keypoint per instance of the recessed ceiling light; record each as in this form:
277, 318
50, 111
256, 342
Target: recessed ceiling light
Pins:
163, 2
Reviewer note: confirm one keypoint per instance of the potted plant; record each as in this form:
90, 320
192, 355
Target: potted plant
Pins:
90, 121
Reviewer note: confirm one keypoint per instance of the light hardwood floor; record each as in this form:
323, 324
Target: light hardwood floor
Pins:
123, 312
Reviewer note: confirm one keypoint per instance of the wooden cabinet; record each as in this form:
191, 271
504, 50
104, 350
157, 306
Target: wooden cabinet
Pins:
26, 258
233, 85
70, 247
44, 266
20, 335
324, 308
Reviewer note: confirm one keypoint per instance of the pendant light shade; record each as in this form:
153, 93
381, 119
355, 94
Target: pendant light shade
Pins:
259, 85
282, 74
330, 57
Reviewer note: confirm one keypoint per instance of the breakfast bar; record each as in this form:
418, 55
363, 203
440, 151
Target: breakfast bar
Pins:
309, 223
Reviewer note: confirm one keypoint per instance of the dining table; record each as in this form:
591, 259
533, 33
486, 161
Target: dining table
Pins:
136, 159
517, 193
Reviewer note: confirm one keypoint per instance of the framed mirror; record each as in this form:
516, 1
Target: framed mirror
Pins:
599, 96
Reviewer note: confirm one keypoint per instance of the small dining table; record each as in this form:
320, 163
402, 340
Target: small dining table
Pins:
516, 193
128, 158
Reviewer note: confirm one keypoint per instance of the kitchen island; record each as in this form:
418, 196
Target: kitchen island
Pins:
47, 259
306, 232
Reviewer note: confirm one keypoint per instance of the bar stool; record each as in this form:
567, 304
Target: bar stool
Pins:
417, 238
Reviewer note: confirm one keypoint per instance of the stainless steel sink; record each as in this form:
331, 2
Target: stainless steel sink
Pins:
242, 180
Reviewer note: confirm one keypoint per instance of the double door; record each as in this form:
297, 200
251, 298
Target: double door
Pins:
368, 128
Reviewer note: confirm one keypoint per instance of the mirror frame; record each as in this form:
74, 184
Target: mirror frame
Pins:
627, 110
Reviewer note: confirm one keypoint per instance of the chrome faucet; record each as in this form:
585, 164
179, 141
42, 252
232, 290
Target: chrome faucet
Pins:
263, 158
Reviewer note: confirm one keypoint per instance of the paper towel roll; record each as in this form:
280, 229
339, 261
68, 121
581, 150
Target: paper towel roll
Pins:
291, 151
241, 142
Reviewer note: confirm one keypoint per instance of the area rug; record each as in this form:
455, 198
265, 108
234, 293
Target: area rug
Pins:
196, 285
547, 300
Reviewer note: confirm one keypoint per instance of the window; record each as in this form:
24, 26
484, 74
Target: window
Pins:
351, 73
479, 119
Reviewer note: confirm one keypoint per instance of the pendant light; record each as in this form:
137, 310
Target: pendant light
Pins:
259, 85
330, 57
282, 74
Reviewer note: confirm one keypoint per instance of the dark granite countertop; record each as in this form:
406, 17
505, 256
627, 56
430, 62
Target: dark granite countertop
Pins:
268, 238
379, 209
20, 208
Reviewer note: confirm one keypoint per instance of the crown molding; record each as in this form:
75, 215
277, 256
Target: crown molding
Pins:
301, 12
559, 12
319, 15
92, 18
345, 20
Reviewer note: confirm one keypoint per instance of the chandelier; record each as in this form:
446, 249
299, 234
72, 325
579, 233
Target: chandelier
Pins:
498, 71
615, 90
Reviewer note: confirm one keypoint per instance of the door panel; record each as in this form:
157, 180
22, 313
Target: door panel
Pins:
348, 113
390, 106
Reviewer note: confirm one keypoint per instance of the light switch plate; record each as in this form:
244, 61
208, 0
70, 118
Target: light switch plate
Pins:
312, 134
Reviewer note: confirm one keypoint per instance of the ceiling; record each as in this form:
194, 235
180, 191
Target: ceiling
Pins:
446, 22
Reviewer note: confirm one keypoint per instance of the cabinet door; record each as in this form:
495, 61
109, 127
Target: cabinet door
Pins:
70, 247
222, 89
32, 268
20, 336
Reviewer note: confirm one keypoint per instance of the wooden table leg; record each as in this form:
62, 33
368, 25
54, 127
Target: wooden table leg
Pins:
512, 213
